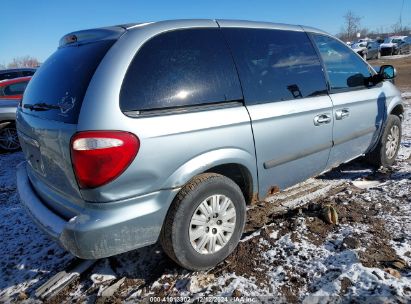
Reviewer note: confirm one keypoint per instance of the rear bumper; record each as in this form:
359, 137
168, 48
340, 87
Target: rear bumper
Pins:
102, 229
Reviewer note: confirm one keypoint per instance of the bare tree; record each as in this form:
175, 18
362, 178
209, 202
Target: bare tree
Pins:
399, 29
352, 25
24, 62
2, 66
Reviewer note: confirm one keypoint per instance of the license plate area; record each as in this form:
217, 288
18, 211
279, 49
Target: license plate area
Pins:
31, 150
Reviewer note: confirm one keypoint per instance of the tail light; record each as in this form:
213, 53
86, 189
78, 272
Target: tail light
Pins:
99, 157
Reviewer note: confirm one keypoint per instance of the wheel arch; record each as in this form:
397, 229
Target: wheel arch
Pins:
236, 164
398, 110
240, 175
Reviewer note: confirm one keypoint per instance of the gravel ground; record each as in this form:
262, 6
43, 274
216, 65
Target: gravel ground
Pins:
290, 256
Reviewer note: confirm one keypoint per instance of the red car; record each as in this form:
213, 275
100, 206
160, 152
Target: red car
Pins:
13, 88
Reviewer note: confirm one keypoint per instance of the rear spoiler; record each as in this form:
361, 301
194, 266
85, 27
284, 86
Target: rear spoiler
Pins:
87, 36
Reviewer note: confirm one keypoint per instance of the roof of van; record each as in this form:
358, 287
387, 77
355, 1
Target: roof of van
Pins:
159, 26
226, 23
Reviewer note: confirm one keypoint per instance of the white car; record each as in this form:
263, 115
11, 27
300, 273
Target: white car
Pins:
361, 49
390, 46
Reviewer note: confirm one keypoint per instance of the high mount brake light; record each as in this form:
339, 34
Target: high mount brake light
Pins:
99, 157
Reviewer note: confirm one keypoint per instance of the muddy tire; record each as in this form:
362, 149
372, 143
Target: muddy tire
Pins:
387, 148
205, 222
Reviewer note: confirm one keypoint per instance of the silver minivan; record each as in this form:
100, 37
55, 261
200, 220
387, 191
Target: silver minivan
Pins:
168, 130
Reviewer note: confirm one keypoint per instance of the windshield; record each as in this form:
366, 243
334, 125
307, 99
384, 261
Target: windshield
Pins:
387, 40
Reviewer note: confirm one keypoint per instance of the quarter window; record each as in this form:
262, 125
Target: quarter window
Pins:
180, 68
345, 69
275, 65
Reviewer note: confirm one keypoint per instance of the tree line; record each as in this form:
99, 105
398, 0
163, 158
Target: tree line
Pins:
352, 26
21, 62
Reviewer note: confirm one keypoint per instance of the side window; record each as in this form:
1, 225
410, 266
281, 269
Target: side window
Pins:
15, 88
345, 69
275, 65
179, 68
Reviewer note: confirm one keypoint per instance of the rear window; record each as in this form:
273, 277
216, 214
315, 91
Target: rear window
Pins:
57, 89
180, 68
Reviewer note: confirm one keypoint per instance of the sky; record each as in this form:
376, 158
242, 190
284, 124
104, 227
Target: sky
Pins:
33, 28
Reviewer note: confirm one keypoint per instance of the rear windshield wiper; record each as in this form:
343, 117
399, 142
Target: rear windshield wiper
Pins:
41, 106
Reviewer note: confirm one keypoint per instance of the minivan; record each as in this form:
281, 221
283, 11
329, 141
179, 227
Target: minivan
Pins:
167, 131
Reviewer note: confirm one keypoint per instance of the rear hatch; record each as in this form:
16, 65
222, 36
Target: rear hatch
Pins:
48, 115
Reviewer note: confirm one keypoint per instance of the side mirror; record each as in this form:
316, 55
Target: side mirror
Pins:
387, 72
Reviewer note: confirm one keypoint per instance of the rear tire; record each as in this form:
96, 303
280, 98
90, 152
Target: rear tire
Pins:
194, 234
387, 148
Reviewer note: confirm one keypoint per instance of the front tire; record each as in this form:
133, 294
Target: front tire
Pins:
387, 148
205, 222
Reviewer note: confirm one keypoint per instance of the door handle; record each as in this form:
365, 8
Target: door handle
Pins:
341, 114
322, 119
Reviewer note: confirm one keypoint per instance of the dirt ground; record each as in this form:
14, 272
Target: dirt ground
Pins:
403, 66
289, 251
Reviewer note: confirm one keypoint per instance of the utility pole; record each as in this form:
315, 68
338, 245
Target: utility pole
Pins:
402, 7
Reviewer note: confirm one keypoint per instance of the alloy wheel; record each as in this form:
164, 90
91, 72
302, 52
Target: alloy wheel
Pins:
392, 142
212, 224
9, 140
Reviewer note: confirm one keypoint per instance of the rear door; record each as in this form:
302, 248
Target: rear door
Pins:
359, 107
285, 94
49, 113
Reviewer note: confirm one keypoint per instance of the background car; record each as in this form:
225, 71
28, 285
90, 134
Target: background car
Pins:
9, 141
15, 73
373, 50
391, 45
367, 49
405, 46
361, 49
14, 88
